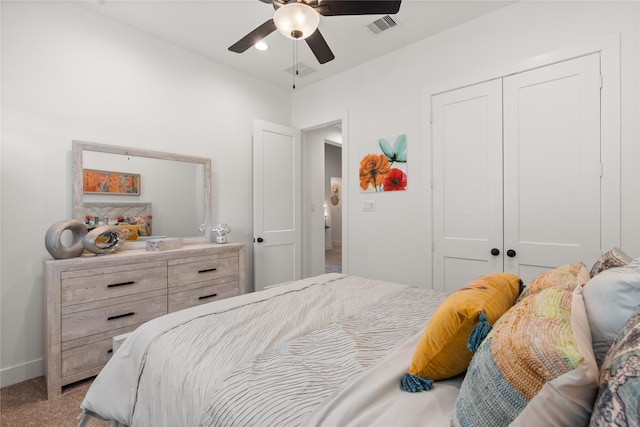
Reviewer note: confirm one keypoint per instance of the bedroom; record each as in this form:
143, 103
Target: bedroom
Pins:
67, 89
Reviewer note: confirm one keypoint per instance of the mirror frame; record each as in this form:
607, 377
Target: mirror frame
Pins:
78, 147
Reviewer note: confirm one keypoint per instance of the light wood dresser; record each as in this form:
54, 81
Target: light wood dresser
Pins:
92, 298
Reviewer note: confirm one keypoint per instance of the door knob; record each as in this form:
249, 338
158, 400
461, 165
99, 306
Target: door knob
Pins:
511, 253
260, 240
495, 251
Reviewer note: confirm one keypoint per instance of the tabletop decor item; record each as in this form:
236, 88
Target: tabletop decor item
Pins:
104, 240
53, 236
221, 231
163, 244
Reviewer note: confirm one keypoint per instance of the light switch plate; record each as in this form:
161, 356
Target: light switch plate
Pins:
368, 205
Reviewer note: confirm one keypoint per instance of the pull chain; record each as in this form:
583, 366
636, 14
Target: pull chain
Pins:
294, 74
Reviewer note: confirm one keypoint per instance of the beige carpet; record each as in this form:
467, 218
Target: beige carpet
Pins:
25, 404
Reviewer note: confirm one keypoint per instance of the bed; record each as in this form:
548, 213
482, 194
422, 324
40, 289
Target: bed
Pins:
332, 350
314, 336
134, 218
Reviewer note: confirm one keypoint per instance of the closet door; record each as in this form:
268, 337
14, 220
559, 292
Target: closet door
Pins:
467, 184
552, 166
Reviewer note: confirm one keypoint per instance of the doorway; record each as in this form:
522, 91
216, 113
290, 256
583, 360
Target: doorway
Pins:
333, 206
323, 232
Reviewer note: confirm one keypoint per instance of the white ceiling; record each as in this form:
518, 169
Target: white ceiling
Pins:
209, 27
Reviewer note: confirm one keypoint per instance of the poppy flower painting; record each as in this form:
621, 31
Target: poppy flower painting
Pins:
383, 165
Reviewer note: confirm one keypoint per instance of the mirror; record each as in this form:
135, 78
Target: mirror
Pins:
175, 189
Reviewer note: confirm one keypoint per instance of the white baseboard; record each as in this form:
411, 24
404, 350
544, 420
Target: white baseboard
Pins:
23, 372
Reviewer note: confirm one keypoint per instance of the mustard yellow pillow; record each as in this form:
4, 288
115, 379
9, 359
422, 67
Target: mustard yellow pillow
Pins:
130, 230
457, 327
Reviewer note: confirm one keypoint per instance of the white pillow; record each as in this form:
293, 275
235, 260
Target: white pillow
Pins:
611, 298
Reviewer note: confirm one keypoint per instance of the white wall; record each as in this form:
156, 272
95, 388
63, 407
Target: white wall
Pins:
391, 95
67, 74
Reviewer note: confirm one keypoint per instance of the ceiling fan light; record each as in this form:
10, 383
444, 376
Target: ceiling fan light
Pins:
261, 45
296, 20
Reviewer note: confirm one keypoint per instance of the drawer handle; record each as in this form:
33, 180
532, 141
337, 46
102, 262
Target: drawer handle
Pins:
207, 270
208, 296
131, 313
113, 285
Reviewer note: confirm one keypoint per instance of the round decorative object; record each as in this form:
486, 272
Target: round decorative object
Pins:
335, 194
104, 240
53, 235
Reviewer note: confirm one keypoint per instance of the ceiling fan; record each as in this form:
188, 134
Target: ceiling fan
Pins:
299, 19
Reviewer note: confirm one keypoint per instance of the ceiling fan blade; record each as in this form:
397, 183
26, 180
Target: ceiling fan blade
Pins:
319, 47
357, 7
253, 37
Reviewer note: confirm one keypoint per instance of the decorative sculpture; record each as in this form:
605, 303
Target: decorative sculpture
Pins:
53, 236
221, 231
104, 240
100, 240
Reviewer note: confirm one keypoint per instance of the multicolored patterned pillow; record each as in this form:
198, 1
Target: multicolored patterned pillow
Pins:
457, 327
612, 258
618, 401
536, 366
565, 277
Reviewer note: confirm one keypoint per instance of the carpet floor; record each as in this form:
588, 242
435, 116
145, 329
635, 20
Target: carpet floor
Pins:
25, 404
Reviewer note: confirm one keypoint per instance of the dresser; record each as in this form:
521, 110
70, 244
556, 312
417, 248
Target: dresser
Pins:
90, 299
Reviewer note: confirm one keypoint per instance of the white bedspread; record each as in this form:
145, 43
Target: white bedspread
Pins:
306, 353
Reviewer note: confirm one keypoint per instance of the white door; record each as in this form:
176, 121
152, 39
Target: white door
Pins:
516, 174
467, 184
276, 204
552, 166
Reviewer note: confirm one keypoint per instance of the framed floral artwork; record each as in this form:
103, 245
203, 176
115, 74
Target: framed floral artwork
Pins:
383, 165
105, 182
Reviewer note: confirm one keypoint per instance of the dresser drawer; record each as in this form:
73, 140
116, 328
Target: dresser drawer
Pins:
202, 269
194, 296
86, 357
80, 356
95, 284
92, 321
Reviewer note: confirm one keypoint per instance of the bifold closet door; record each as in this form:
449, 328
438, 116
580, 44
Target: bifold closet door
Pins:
467, 184
552, 166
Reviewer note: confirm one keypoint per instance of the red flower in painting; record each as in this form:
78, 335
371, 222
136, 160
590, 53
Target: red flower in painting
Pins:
395, 180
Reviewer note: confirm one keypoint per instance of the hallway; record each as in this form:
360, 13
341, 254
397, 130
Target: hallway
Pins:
333, 259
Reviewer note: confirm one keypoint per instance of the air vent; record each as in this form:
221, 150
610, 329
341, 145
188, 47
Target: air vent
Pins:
382, 24
303, 70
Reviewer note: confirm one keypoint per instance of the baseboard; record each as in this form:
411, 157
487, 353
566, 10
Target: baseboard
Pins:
23, 372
